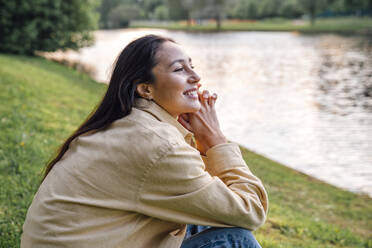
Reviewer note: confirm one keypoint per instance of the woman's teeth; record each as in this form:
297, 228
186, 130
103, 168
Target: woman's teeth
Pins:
192, 93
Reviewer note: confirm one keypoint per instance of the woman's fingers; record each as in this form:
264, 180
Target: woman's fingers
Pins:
212, 99
184, 120
186, 117
204, 123
207, 102
205, 97
200, 96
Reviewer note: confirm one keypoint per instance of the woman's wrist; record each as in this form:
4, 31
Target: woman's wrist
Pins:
214, 140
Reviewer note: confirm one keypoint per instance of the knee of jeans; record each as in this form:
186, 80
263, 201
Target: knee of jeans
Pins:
238, 230
241, 232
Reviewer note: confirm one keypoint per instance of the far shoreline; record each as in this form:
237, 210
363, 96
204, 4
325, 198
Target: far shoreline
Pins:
347, 26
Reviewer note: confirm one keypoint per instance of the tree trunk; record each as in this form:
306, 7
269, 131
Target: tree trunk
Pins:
312, 19
218, 22
188, 20
312, 12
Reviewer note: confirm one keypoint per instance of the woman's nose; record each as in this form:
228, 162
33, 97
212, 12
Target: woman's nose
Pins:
194, 78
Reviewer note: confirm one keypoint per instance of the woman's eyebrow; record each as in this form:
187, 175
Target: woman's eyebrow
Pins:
178, 60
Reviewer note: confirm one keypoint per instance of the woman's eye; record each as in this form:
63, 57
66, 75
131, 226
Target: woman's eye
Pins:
181, 68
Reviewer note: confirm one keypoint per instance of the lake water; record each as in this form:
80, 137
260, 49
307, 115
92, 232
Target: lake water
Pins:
304, 101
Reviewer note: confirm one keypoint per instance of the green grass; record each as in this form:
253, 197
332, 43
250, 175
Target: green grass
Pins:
346, 25
43, 102
305, 212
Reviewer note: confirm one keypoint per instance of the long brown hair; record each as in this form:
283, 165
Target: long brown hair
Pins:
133, 66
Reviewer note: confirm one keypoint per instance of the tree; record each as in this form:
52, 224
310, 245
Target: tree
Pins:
176, 10
121, 15
216, 10
359, 7
199, 9
46, 25
246, 9
270, 8
290, 9
104, 10
188, 5
312, 7
161, 12
150, 6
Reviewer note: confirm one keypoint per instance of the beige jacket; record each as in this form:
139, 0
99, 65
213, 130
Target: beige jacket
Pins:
137, 184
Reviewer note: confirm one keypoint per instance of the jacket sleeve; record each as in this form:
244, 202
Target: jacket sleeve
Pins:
223, 192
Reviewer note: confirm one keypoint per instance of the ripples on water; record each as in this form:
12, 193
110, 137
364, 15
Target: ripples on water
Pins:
305, 101
345, 75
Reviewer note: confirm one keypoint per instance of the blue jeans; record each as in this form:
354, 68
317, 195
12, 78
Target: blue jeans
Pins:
218, 237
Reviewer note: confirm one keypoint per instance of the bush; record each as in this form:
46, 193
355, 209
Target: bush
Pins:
161, 12
121, 15
46, 25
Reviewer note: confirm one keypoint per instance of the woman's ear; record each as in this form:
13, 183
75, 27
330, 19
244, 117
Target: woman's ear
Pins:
145, 90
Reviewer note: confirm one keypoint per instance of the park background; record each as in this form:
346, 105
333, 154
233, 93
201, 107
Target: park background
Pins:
294, 79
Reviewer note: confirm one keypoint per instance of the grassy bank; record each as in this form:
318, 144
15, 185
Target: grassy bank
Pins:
42, 102
349, 25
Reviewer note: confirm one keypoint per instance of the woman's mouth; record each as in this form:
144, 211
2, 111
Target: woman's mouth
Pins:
191, 93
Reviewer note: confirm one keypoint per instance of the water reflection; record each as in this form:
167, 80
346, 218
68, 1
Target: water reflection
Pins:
304, 101
345, 76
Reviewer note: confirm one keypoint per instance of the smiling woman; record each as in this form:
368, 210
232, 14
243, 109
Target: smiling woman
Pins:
150, 167
175, 87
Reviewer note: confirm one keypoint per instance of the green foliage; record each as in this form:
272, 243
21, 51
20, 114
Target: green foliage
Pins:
149, 7
236, 9
246, 10
358, 5
199, 9
296, 8
351, 7
312, 7
345, 25
290, 9
104, 10
177, 11
121, 15
161, 12
269, 8
46, 25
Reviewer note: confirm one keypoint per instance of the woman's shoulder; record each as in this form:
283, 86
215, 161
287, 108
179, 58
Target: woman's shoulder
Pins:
138, 138
141, 125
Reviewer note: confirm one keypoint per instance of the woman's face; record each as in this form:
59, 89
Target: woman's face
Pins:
176, 84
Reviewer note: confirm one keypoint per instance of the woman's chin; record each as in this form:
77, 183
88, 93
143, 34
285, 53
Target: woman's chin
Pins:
195, 107
191, 110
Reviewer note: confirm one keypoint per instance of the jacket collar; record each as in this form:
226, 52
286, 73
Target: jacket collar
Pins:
162, 115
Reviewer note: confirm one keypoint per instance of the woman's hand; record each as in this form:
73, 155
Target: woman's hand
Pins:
204, 123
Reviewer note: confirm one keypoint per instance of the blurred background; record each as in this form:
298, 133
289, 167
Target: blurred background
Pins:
294, 77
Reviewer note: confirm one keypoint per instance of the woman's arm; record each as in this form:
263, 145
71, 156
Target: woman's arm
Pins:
179, 187
204, 123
